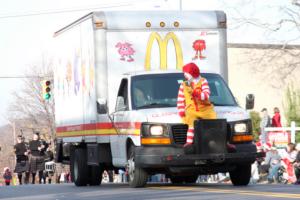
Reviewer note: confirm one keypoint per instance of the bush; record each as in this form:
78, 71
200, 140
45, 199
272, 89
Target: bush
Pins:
255, 123
292, 107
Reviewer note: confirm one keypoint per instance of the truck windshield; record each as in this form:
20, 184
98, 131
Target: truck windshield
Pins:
161, 90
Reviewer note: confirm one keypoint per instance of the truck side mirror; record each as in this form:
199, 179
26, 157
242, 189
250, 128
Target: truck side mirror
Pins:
120, 104
250, 101
102, 106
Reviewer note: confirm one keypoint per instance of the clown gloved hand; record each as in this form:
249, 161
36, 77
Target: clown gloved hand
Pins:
201, 94
197, 93
182, 116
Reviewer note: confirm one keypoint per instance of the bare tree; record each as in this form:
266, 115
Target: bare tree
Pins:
7, 155
280, 61
29, 109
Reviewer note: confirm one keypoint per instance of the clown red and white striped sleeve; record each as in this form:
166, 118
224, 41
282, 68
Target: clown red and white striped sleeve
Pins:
205, 91
181, 101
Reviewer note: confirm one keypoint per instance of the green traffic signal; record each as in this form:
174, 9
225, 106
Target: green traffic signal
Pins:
46, 89
47, 96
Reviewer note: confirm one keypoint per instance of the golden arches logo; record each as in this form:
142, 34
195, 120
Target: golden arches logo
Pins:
163, 44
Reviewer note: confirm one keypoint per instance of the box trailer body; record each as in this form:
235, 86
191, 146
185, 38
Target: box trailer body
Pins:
104, 57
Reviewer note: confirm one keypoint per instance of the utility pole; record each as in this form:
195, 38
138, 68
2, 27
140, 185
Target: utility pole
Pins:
13, 125
14, 131
180, 5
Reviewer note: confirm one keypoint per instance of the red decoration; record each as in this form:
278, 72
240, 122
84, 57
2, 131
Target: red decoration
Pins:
199, 46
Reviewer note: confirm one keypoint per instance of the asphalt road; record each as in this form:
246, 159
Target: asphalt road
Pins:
151, 191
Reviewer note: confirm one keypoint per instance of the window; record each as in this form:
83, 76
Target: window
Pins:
122, 99
155, 90
161, 90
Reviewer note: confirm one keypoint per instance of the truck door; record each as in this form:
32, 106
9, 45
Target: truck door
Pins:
120, 119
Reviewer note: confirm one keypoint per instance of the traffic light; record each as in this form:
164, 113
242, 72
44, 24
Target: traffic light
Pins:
46, 89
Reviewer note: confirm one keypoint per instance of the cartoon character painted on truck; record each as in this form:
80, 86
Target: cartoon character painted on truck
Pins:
125, 50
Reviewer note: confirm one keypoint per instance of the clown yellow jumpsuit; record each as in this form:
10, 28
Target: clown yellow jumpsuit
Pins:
193, 103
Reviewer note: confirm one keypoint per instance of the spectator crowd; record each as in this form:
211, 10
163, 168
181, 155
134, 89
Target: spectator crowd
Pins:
32, 158
281, 165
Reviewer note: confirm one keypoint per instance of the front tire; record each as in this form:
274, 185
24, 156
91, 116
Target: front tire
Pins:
241, 175
137, 176
79, 167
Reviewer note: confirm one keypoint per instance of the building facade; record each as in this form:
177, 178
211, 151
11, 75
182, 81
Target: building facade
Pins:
265, 71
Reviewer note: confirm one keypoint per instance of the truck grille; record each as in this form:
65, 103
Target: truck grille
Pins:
179, 133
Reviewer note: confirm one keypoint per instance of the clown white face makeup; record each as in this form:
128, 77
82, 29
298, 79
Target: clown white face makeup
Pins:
188, 77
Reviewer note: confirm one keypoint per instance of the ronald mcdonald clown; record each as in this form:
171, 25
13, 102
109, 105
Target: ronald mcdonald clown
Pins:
193, 100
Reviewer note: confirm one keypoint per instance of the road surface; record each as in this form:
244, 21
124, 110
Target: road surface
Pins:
151, 191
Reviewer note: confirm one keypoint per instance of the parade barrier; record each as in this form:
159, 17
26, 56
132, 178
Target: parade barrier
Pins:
50, 166
281, 136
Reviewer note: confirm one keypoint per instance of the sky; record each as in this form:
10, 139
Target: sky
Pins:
27, 27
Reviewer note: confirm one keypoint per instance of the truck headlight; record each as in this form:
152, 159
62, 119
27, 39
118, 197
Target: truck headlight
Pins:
242, 131
155, 134
240, 128
156, 130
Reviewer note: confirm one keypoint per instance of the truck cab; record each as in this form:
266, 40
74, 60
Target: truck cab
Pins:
150, 98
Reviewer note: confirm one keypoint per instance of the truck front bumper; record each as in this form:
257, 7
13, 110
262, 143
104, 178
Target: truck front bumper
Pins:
164, 157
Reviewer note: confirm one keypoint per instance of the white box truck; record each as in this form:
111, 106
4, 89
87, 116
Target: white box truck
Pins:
116, 83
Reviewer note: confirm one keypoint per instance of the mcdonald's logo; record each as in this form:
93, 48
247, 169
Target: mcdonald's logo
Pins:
163, 44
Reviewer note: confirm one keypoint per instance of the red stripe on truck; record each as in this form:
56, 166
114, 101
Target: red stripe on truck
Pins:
102, 125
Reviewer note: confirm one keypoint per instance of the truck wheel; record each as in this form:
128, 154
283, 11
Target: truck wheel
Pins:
95, 175
241, 175
79, 167
137, 176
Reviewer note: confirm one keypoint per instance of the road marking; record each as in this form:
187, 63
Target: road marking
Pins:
228, 191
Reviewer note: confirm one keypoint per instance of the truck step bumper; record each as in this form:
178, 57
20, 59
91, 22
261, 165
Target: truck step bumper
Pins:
151, 157
196, 159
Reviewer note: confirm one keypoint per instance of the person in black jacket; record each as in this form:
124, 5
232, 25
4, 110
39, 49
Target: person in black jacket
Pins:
297, 165
36, 160
22, 164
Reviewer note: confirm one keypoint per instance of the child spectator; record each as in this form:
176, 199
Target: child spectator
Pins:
7, 176
288, 159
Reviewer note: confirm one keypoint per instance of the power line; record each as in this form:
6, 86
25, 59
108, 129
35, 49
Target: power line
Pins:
49, 12
11, 77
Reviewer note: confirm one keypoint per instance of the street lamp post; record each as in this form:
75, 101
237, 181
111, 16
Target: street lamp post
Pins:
14, 131
13, 125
